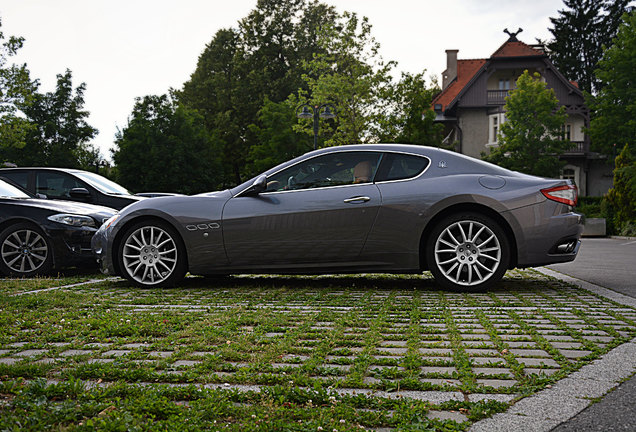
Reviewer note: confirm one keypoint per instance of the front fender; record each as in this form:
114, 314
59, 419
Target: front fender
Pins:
197, 220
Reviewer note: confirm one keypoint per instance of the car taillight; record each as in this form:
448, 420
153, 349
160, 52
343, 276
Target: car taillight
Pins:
567, 194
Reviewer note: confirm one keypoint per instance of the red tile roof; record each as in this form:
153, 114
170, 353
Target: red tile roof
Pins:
516, 49
466, 70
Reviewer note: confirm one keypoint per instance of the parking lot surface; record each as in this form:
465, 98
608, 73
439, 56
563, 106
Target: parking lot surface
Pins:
376, 352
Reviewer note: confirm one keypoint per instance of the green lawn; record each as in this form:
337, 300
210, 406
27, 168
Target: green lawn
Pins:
377, 352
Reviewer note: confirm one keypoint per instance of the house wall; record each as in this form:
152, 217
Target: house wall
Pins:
474, 126
600, 177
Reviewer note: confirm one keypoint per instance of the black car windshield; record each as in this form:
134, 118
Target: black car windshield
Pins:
10, 191
102, 184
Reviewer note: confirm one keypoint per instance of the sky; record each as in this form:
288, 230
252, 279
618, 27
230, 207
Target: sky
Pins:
123, 49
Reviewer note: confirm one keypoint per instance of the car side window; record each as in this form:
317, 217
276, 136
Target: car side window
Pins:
399, 166
56, 185
334, 169
17, 177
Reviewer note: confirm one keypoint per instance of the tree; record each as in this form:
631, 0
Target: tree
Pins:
277, 140
16, 91
410, 119
165, 148
530, 140
622, 196
580, 33
351, 75
614, 123
241, 68
59, 132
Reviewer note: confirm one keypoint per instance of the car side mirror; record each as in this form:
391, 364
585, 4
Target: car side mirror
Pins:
80, 193
259, 185
41, 196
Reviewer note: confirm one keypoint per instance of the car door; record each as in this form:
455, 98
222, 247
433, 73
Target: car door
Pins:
315, 212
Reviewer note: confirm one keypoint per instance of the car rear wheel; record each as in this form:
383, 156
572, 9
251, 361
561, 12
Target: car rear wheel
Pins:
24, 251
468, 251
151, 254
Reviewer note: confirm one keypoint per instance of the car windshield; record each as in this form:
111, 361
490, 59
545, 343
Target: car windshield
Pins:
102, 183
10, 191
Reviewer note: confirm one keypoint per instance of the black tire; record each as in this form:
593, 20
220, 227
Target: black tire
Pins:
467, 252
25, 251
151, 254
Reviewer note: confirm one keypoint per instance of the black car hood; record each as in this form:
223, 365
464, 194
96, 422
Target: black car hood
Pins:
61, 206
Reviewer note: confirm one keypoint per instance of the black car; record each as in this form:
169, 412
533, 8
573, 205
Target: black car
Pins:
37, 235
71, 185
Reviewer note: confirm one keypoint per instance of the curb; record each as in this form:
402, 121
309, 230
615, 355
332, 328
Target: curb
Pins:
548, 408
622, 237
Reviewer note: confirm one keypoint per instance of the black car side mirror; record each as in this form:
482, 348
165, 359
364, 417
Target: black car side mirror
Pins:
80, 193
259, 185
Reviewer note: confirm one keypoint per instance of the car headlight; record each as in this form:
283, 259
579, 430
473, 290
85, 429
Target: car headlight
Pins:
73, 220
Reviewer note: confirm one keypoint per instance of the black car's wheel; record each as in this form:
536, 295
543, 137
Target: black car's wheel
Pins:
468, 251
24, 251
151, 254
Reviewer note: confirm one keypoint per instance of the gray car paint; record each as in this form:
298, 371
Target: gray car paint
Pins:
311, 231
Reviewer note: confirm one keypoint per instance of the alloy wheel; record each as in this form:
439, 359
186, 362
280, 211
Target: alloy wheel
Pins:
468, 253
150, 255
24, 251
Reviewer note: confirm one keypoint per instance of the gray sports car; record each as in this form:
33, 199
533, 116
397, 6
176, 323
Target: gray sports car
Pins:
361, 208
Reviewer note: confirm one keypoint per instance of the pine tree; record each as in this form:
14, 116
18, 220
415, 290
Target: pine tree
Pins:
580, 32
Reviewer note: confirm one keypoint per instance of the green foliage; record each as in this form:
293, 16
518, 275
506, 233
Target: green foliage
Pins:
622, 197
530, 140
351, 75
242, 68
614, 122
410, 119
16, 90
590, 206
276, 138
59, 133
250, 79
169, 144
580, 32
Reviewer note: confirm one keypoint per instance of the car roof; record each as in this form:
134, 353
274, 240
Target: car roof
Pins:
68, 170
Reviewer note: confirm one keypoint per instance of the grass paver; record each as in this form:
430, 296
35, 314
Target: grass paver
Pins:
341, 352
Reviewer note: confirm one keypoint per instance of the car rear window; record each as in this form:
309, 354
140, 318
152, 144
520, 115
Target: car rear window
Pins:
399, 166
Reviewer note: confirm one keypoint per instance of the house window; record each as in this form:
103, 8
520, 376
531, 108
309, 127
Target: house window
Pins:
495, 121
504, 84
567, 132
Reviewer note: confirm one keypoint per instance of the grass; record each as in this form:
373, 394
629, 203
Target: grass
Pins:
290, 353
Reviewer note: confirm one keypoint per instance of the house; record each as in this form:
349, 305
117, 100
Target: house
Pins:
471, 106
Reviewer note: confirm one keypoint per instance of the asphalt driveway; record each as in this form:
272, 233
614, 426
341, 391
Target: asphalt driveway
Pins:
607, 262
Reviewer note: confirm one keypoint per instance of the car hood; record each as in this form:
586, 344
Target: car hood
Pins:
177, 204
70, 207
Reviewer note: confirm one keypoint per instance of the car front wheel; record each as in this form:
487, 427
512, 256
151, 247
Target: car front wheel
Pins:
151, 254
468, 251
25, 251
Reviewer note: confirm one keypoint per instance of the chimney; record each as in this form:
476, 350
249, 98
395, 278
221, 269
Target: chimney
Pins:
451, 68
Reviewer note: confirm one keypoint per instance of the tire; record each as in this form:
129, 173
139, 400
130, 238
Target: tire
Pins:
468, 252
152, 255
25, 251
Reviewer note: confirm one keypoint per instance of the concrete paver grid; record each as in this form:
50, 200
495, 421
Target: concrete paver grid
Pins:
540, 330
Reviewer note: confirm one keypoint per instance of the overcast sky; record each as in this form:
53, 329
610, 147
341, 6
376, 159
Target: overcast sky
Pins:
124, 49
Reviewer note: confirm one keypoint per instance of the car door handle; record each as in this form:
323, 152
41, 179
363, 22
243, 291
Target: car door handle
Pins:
355, 200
